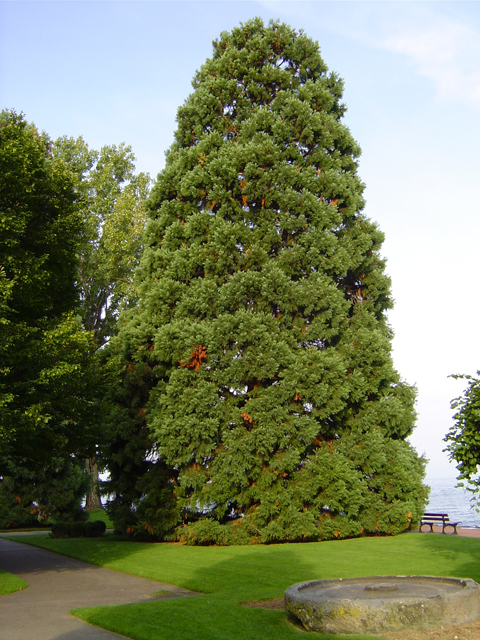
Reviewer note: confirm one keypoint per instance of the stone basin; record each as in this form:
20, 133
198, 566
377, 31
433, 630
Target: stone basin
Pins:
383, 603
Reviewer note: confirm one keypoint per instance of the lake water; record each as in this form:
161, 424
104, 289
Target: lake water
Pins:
445, 498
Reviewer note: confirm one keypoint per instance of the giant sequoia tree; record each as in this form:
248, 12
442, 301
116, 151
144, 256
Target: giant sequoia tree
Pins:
261, 331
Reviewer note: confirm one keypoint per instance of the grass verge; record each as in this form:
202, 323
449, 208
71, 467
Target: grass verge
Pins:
10, 583
100, 514
232, 575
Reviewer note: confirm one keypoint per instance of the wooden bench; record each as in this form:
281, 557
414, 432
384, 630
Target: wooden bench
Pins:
442, 519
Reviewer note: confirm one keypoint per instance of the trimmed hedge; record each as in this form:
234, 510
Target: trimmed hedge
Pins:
79, 529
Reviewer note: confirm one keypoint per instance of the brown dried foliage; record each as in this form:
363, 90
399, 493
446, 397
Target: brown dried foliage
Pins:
246, 417
197, 358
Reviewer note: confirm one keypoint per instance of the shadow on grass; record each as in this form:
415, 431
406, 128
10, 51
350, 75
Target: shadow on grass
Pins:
454, 556
208, 569
244, 574
231, 575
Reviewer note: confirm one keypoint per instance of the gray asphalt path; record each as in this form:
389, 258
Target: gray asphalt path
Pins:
58, 584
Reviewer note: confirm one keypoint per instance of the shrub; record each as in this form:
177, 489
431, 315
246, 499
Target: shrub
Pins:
210, 532
95, 529
60, 529
77, 529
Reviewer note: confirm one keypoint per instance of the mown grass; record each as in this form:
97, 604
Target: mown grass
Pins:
229, 576
100, 514
10, 583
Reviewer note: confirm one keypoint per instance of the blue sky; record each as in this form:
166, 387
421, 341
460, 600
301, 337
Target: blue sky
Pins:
117, 71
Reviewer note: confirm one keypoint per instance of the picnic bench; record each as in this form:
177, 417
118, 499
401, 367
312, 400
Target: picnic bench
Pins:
432, 519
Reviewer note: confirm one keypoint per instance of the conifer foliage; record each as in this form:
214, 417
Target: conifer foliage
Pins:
261, 326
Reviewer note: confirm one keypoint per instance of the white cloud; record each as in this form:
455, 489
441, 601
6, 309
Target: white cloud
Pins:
447, 53
442, 39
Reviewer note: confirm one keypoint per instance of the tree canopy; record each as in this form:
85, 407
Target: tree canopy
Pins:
40, 224
71, 227
44, 351
463, 439
258, 359
111, 201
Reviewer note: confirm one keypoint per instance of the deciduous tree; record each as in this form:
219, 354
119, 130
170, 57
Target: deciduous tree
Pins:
111, 199
48, 375
40, 341
463, 439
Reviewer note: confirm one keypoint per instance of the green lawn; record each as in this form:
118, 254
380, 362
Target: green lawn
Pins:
231, 575
100, 514
10, 583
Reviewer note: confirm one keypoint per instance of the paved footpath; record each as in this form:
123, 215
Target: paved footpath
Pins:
58, 584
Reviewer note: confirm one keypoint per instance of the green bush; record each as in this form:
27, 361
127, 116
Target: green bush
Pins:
79, 529
100, 526
60, 530
210, 532
16, 511
31, 498
95, 529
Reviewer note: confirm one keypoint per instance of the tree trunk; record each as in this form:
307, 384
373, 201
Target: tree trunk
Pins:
92, 501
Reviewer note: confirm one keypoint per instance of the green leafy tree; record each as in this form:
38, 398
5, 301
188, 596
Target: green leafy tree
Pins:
140, 486
261, 330
111, 199
54, 493
40, 226
48, 377
463, 439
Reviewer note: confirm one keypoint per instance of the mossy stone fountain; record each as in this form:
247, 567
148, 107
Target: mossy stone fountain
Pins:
383, 603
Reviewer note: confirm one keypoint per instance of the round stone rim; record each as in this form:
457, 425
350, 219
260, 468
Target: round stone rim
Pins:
383, 612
